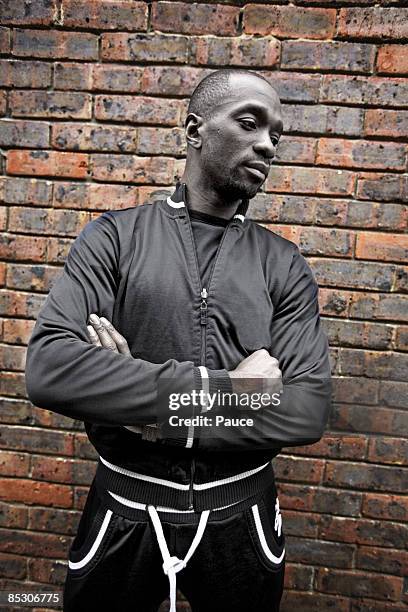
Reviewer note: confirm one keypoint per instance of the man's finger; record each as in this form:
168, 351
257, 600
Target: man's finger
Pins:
103, 334
120, 341
93, 336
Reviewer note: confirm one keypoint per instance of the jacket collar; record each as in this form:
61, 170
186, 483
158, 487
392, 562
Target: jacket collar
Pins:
177, 203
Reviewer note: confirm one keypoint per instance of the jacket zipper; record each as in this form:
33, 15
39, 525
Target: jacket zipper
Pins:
204, 292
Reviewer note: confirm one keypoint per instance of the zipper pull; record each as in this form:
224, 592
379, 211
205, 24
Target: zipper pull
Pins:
203, 306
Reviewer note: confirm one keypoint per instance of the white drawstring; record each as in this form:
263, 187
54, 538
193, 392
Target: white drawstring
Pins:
173, 565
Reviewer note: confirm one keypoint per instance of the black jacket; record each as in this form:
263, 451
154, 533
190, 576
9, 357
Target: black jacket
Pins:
138, 268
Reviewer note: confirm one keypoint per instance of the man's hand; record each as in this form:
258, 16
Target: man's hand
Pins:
260, 364
102, 333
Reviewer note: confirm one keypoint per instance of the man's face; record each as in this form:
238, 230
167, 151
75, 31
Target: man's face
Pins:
239, 141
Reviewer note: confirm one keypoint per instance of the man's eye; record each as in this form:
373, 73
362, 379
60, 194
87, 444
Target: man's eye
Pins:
248, 123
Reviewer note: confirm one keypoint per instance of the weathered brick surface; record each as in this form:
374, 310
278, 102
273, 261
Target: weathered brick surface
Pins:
104, 15
93, 97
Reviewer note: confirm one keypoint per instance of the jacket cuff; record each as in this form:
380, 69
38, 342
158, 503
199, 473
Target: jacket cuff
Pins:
220, 381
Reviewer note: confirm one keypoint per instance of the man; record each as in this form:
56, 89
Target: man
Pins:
186, 295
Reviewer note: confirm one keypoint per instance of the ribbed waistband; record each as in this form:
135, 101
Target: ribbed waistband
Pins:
142, 488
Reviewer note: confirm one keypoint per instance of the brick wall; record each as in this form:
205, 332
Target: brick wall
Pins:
92, 105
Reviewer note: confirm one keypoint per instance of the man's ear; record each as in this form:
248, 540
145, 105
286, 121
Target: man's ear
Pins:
192, 128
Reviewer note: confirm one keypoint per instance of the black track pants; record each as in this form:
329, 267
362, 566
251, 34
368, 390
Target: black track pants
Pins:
116, 563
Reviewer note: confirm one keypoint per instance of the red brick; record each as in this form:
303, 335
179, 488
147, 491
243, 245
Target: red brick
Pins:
401, 338
389, 507
378, 91
314, 602
365, 476
34, 278
387, 247
15, 303
3, 103
13, 383
13, 566
237, 51
172, 80
33, 492
382, 560
13, 516
3, 218
14, 464
34, 544
2, 273
4, 41
298, 469
34, 439
27, 191
383, 187
58, 249
104, 14
129, 168
74, 76
296, 523
164, 141
17, 331
322, 241
379, 122
15, 411
340, 446
12, 357
51, 163
25, 12
53, 104
361, 154
310, 180
334, 302
376, 215
376, 364
333, 56
381, 306
282, 208
83, 449
295, 148
358, 333
117, 78
363, 531
392, 59
24, 134
195, 18
368, 419
296, 496
14, 247
55, 44
295, 87
14, 73
289, 21
46, 221
298, 576
152, 47
373, 23
388, 450
358, 584
52, 469
47, 571
316, 552
137, 109
94, 196
93, 137
53, 520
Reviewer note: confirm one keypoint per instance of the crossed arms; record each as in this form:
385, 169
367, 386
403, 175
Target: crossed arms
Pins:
71, 372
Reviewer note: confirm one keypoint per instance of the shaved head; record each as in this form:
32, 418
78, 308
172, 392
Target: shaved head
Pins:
214, 89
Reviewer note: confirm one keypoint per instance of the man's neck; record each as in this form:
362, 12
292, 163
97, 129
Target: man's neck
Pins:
207, 201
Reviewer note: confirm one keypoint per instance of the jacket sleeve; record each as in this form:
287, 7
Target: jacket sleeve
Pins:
300, 345
67, 374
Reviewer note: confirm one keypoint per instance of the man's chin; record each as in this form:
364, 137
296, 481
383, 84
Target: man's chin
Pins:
243, 191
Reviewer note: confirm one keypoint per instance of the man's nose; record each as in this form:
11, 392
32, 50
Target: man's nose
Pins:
265, 146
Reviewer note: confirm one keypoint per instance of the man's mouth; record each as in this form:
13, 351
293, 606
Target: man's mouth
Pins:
258, 169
